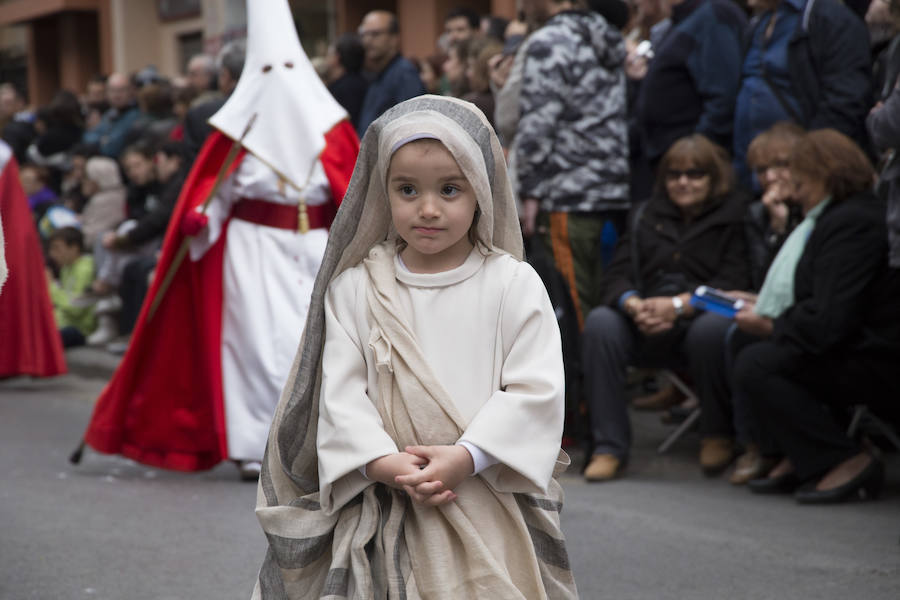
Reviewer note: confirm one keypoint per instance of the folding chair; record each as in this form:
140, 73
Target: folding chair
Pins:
691, 419
864, 418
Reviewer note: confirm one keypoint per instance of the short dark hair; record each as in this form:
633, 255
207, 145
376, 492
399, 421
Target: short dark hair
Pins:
467, 13
156, 98
41, 173
144, 147
70, 236
350, 51
85, 150
176, 149
64, 108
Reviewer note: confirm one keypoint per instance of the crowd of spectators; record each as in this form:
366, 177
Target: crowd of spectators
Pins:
102, 172
660, 145
655, 146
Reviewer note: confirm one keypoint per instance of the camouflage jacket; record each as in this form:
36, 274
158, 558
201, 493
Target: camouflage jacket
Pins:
572, 137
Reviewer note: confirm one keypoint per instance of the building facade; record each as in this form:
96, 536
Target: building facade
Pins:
46, 45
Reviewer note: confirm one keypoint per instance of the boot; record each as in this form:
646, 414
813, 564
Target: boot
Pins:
602, 467
665, 398
107, 330
716, 453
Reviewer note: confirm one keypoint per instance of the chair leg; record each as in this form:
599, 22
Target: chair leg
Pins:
682, 429
862, 413
858, 414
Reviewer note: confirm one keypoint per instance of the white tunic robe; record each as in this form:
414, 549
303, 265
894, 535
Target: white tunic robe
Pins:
488, 332
268, 279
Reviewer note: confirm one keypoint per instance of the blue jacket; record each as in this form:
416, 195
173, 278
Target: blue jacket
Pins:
398, 81
111, 131
692, 82
830, 68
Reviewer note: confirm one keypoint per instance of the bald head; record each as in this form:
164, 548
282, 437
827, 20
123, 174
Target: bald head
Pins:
201, 72
119, 91
378, 32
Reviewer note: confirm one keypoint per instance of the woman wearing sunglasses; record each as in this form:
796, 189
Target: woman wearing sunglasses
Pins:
690, 233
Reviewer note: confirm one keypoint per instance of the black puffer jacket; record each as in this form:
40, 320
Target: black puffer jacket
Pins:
675, 255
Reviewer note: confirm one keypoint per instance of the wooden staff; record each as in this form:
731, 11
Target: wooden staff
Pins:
185, 244
76, 455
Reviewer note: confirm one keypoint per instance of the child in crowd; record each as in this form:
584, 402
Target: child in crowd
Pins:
35, 182
76, 272
420, 430
105, 194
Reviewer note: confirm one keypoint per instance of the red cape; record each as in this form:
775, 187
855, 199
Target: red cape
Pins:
164, 405
29, 339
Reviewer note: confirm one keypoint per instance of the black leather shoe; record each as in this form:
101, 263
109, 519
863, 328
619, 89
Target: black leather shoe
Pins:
865, 485
783, 484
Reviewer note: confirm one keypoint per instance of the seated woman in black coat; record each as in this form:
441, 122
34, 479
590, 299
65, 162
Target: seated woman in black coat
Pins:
689, 234
830, 337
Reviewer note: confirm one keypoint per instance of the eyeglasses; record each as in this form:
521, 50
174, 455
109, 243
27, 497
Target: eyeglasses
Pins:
372, 33
692, 174
778, 164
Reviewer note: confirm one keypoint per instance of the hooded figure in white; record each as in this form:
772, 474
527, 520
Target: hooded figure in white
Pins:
274, 210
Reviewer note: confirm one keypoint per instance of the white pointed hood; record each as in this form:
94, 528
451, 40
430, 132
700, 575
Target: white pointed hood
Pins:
293, 108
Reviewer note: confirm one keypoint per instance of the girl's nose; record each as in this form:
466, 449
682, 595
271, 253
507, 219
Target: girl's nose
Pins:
429, 206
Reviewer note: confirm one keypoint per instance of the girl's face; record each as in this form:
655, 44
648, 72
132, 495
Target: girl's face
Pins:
432, 206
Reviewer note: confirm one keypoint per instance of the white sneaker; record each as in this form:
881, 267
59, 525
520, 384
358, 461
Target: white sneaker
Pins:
108, 304
107, 330
249, 469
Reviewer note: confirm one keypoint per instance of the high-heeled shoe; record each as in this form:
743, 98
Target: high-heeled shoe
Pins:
783, 484
866, 485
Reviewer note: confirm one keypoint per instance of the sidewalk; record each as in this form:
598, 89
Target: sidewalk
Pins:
92, 363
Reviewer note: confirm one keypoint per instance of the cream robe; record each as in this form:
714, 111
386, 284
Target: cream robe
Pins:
268, 278
489, 333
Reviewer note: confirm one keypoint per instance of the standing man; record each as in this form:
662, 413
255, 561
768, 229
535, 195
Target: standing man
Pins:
461, 25
201, 73
395, 78
230, 64
807, 62
693, 79
572, 140
113, 128
346, 83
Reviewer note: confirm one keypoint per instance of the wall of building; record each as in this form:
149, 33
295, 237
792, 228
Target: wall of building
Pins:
65, 42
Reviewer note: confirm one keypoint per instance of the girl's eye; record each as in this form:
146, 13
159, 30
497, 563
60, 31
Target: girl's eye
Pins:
407, 190
449, 190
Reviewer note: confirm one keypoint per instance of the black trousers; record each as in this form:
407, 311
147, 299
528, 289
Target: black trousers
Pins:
800, 403
611, 342
133, 290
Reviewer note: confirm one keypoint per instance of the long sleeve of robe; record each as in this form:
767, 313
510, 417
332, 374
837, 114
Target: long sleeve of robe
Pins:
488, 332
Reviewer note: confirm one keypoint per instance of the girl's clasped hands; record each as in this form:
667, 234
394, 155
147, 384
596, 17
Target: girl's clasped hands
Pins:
428, 474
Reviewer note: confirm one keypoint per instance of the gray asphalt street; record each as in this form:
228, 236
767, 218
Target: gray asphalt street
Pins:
111, 529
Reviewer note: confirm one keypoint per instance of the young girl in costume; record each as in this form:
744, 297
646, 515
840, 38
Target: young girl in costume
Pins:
415, 447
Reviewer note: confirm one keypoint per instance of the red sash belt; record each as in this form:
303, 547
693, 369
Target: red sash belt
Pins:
282, 216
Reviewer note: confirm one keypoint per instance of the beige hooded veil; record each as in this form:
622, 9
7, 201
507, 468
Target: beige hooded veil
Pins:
368, 548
